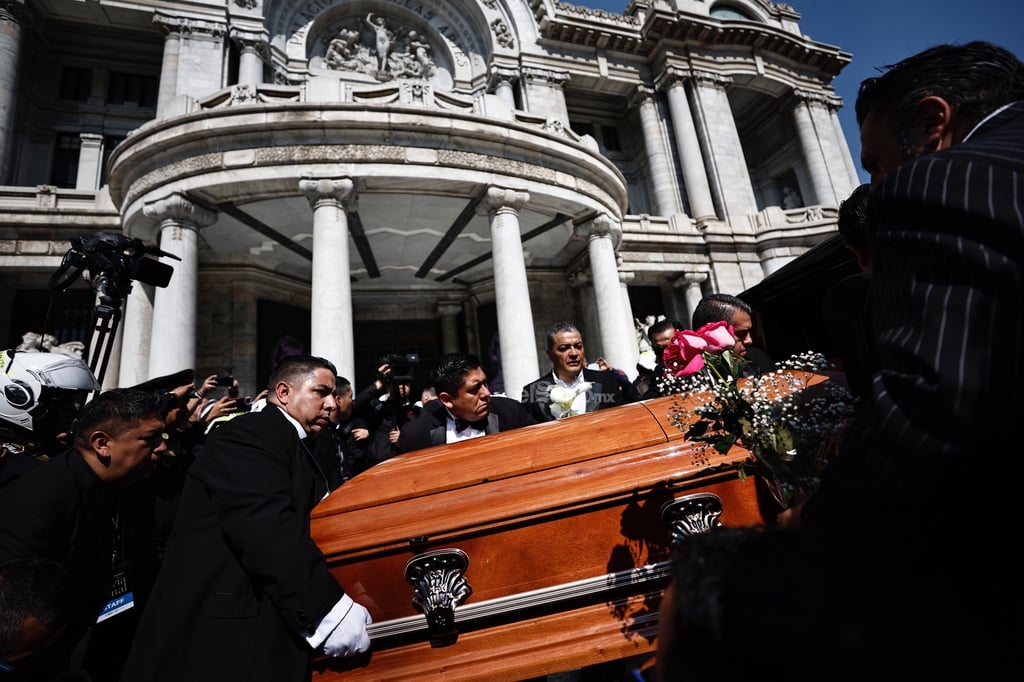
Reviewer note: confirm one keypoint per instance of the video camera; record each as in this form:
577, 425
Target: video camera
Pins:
111, 261
401, 365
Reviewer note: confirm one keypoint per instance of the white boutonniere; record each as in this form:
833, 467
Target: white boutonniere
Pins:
562, 399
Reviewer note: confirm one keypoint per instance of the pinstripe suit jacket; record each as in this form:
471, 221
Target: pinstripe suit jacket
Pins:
946, 303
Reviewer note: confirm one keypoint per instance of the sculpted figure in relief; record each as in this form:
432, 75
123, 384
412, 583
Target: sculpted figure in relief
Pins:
391, 54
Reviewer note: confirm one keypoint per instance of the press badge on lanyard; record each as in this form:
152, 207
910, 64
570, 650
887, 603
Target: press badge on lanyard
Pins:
119, 590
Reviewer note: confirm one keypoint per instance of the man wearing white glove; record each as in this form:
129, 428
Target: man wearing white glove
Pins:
243, 592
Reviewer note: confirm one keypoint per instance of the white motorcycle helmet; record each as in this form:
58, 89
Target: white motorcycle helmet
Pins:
38, 389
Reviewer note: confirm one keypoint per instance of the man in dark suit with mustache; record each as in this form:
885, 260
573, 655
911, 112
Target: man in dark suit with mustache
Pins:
464, 407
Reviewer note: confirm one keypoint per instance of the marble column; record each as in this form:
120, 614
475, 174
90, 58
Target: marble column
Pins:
659, 161
136, 330
90, 161
634, 346
814, 155
691, 156
727, 172
168, 88
174, 306
11, 17
692, 285
449, 313
331, 333
602, 234
511, 290
251, 47
501, 80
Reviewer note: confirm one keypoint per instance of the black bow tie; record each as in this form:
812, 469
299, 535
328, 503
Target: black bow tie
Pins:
462, 424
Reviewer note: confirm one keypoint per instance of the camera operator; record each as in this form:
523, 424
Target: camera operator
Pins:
386, 405
40, 395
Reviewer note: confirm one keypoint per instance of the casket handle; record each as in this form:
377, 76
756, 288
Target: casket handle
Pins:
692, 515
439, 585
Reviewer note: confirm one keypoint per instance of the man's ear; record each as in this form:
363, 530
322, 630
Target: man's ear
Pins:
283, 392
446, 399
99, 442
933, 124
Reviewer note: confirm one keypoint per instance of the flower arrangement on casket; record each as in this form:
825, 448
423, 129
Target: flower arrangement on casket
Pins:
789, 428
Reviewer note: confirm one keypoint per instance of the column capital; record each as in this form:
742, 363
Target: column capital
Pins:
448, 308
498, 198
602, 225
689, 279
710, 78
253, 39
826, 99
318, 191
558, 78
173, 24
672, 76
501, 74
643, 94
93, 140
179, 208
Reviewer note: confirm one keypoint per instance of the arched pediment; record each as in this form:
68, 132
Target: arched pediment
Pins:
451, 39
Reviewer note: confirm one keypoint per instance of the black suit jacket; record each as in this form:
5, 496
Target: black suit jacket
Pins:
430, 428
62, 511
607, 392
946, 301
242, 582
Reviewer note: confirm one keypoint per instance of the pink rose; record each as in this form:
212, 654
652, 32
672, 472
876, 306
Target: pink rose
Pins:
684, 354
718, 335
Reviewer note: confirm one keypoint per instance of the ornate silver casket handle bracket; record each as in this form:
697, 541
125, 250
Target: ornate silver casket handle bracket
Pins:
439, 585
692, 515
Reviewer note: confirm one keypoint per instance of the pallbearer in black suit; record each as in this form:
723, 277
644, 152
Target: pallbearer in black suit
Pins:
464, 407
900, 560
243, 592
580, 389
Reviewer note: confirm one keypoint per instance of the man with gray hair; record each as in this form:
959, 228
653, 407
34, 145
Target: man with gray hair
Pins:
570, 388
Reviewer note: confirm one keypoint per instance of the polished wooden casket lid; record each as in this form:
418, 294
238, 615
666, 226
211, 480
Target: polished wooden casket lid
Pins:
553, 535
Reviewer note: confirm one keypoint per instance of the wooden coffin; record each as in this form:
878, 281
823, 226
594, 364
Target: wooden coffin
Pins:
535, 551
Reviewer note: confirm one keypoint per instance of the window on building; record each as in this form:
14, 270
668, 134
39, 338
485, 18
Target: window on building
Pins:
727, 12
132, 89
64, 172
75, 83
610, 137
66, 315
581, 128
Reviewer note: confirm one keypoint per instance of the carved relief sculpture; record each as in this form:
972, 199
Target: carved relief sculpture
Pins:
389, 54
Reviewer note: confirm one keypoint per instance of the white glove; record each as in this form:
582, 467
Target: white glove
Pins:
349, 637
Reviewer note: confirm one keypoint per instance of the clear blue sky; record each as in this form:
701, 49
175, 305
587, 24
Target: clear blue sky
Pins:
880, 32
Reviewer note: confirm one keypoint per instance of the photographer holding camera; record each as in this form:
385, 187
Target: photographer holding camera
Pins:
387, 405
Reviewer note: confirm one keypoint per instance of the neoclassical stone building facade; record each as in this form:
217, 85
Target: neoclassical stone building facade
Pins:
408, 176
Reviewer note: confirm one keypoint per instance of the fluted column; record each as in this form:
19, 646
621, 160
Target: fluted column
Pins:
691, 156
814, 155
90, 160
602, 234
449, 313
692, 284
658, 158
511, 290
136, 334
174, 306
331, 334
11, 16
